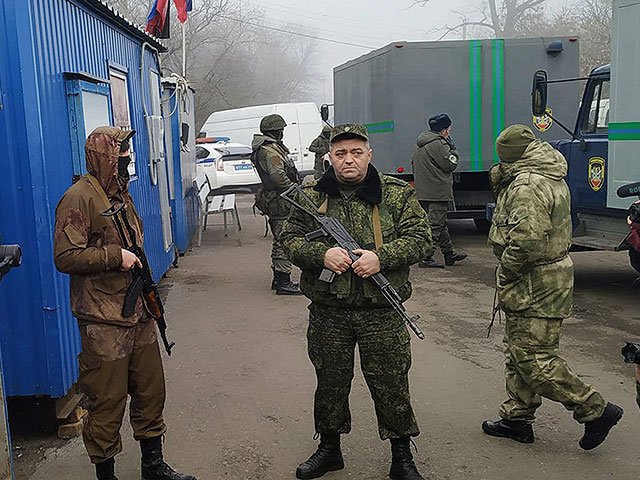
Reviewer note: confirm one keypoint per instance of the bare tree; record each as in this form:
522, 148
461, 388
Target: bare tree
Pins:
234, 58
590, 20
498, 18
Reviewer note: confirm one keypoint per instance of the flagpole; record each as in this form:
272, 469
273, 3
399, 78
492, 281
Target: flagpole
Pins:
184, 51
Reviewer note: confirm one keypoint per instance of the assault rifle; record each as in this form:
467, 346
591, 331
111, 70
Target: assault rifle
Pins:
143, 284
10, 257
334, 230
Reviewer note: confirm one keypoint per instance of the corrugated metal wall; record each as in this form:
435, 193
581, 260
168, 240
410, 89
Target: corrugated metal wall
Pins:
48, 37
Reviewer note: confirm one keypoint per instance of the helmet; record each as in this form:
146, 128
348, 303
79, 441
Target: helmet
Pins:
272, 123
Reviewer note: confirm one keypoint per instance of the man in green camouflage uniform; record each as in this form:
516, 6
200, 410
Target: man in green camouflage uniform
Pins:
120, 355
531, 236
277, 173
320, 147
383, 215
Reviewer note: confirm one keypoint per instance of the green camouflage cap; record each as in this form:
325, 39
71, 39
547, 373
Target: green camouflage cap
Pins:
513, 142
349, 129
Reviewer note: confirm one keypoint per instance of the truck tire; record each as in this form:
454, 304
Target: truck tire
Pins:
482, 224
634, 257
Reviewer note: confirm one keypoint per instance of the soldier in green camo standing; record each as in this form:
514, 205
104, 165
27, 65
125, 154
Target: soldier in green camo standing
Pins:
531, 236
383, 215
277, 173
320, 147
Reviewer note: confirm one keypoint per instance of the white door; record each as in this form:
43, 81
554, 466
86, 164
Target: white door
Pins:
160, 161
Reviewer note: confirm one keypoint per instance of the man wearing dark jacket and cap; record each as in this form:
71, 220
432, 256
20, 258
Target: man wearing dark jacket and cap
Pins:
277, 173
434, 161
120, 355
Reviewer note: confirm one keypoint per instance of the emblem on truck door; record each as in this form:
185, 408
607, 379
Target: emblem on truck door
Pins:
596, 173
544, 122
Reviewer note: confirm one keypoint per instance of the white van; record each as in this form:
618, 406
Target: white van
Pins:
303, 126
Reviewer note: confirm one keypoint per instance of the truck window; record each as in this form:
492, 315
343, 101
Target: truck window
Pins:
597, 121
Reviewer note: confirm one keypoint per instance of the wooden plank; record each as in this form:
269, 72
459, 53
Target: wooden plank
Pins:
67, 404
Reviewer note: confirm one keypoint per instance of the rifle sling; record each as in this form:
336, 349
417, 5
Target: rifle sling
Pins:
377, 227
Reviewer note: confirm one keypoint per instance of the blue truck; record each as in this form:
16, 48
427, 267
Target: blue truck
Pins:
603, 150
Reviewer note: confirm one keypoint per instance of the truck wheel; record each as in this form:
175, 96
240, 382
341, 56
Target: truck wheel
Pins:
634, 257
482, 224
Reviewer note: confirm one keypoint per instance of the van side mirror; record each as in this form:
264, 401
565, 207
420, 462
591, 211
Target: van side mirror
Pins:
539, 93
324, 112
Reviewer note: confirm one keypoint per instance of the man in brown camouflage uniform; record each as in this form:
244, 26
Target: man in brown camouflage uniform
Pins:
531, 235
120, 355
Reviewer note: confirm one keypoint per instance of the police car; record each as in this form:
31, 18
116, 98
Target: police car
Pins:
227, 165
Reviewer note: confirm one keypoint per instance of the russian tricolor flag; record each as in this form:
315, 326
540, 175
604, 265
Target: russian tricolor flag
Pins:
183, 7
158, 19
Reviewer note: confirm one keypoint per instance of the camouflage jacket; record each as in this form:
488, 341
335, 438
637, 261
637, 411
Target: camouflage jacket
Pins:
272, 158
87, 245
320, 146
434, 160
531, 233
406, 237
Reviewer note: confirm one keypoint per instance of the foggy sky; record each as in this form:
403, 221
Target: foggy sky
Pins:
370, 23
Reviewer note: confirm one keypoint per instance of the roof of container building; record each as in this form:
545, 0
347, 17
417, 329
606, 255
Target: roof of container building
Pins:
138, 31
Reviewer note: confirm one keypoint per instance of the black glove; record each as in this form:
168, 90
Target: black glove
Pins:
450, 142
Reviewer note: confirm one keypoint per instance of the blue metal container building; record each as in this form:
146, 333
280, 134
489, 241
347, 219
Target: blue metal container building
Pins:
73, 64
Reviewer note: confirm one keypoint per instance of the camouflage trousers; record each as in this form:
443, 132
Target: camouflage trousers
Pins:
117, 362
437, 214
385, 355
279, 260
534, 370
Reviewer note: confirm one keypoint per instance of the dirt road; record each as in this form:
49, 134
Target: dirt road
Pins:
240, 386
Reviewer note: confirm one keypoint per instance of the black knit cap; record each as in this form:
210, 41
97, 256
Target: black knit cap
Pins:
439, 122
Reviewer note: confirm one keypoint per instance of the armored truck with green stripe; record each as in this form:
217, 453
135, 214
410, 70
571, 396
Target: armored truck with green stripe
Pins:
483, 85
604, 151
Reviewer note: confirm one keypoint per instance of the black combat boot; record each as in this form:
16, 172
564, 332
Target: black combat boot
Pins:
327, 458
106, 470
274, 283
450, 258
402, 466
284, 285
597, 430
519, 431
430, 263
153, 466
